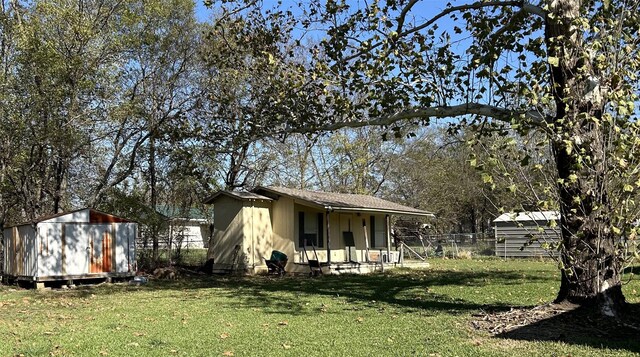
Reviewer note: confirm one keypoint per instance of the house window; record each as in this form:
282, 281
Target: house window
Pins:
378, 232
310, 228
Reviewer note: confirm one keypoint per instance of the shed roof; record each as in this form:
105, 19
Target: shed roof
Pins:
342, 201
240, 195
83, 215
528, 216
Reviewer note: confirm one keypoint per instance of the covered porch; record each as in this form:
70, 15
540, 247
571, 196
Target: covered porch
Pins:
342, 233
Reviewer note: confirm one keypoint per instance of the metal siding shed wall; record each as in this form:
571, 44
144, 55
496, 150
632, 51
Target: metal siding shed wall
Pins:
133, 235
8, 251
76, 249
21, 255
29, 245
62, 247
50, 250
512, 236
124, 235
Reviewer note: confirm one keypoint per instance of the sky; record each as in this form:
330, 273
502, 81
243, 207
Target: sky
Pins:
425, 8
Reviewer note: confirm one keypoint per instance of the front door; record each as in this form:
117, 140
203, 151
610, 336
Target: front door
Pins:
348, 238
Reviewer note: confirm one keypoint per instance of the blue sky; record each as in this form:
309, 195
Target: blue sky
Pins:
426, 8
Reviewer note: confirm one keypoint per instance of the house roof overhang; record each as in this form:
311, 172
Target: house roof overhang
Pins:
238, 195
342, 202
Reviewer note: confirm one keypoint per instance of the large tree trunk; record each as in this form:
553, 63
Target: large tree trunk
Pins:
591, 267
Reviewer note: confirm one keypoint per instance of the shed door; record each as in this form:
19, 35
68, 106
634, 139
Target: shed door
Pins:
100, 248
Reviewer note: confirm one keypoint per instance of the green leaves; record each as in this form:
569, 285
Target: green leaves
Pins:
486, 178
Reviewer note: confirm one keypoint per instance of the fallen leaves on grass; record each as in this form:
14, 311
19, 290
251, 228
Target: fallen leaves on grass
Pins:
283, 323
139, 334
224, 335
285, 346
227, 353
553, 322
360, 319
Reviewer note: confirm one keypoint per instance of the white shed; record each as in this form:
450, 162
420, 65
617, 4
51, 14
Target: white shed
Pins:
83, 244
525, 234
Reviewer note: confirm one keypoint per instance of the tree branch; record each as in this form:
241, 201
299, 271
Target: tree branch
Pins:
497, 113
403, 15
532, 9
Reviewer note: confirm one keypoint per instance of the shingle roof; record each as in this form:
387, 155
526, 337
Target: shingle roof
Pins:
343, 201
528, 216
242, 195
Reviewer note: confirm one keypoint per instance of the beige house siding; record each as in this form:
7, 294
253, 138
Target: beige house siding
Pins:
228, 230
258, 233
283, 230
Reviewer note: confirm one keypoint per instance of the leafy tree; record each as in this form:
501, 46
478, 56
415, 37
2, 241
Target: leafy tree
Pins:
432, 171
567, 69
59, 53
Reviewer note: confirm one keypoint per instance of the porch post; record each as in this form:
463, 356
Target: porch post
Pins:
328, 241
387, 222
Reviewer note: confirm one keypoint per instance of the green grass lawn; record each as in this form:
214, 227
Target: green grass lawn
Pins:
399, 313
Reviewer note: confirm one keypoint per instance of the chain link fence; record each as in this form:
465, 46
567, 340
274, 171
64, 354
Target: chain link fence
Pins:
460, 245
185, 251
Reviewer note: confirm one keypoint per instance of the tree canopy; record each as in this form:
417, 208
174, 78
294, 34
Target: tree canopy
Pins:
565, 69
101, 99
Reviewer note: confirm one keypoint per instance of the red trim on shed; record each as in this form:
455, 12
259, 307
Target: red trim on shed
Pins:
99, 217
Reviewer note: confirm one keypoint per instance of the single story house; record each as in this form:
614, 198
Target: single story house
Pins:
82, 244
345, 232
188, 229
526, 234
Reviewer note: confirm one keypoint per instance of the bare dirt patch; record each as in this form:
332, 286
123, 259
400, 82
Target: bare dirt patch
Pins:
559, 322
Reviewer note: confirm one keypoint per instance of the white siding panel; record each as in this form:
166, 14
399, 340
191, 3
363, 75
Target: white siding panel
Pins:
50, 238
133, 235
191, 234
125, 236
77, 248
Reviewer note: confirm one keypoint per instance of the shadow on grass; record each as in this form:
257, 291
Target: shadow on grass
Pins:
584, 326
406, 291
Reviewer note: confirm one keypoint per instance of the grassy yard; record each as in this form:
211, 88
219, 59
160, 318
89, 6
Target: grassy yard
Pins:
400, 313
